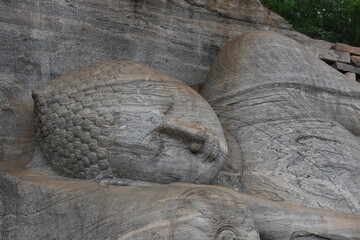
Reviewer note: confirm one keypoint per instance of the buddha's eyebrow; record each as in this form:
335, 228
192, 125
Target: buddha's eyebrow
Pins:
184, 130
196, 136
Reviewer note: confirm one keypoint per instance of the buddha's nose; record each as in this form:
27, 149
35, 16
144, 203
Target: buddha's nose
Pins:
195, 136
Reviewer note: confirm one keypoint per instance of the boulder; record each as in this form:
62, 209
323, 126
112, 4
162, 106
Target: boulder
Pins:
351, 75
346, 67
346, 48
355, 60
330, 54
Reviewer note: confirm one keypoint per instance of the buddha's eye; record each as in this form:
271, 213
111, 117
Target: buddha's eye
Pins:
190, 133
199, 140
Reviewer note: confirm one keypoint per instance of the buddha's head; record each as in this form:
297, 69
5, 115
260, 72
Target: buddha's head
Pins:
127, 120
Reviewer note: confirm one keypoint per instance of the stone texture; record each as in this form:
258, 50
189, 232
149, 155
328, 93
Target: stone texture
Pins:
251, 11
196, 87
355, 60
330, 54
129, 121
302, 235
346, 48
38, 206
350, 75
16, 123
295, 118
43, 40
346, 67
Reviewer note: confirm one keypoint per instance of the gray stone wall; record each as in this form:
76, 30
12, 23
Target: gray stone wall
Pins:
42, 40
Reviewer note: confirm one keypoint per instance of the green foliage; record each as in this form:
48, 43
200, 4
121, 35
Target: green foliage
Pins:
330, 20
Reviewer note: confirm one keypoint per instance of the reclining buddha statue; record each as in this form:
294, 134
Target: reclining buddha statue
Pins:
288, 158
126, 120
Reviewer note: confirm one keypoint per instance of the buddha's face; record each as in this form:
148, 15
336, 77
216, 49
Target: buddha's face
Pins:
130, 121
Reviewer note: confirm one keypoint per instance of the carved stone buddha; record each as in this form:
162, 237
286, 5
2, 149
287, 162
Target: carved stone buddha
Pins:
127, 120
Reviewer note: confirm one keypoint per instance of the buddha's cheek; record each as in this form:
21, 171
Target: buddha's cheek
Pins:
133, 156
177, 163
160, 158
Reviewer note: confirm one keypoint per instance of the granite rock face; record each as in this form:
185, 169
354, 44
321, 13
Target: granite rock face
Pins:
42, 40
347, 67
346, 48
46, 207
128, 120
353, 68
355, 60
16, 127
295, 118
39, 206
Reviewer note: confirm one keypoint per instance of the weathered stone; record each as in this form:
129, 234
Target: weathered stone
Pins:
16, 128
279, 220
330, 54
47, 207
42, 40
295, 118
346, 48
196, 87
161, 123
302, 235
251, 11
355, 60
346, 67
39, 206
351, 75
316, 43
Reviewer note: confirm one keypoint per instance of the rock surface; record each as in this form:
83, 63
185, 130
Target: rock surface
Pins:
346, 67
16, 123
355, 60
42, 40
351, 75
295, 118
330, 54
38, 206
346, 48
